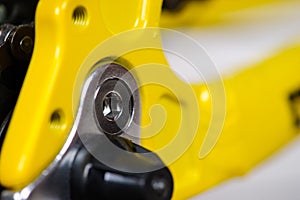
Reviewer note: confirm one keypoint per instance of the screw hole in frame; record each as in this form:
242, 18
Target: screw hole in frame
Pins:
80, 16
57, 120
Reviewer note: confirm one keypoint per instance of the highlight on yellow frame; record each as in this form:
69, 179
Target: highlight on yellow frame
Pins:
241, 110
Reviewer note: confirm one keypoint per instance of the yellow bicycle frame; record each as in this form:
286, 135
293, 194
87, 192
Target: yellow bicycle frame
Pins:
259, 113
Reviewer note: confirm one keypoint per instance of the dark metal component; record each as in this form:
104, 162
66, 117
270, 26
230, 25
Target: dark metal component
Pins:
3, 127
5, 59
93, 180
14, 62
13, 57
172, 4
113, 106
21, 42
17, 11
26, 45
176, 5
8, 100
79, 176
110, 102
295, 106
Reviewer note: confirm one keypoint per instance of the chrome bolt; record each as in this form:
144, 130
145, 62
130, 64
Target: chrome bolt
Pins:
112, 106
26, 44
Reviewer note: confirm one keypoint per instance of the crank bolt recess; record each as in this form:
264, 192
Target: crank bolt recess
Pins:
114, 106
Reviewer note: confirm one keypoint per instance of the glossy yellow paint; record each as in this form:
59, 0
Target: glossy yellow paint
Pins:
259, 119
66, 32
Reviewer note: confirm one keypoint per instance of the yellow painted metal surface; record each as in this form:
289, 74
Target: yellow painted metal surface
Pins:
66, 32
258, 121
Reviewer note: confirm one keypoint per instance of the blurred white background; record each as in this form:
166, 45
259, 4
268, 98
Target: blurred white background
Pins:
252, 36
276, 179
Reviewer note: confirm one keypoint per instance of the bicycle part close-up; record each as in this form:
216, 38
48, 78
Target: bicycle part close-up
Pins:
143, 99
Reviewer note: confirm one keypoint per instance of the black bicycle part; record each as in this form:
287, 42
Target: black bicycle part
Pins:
16, 46
17, 12
80, 176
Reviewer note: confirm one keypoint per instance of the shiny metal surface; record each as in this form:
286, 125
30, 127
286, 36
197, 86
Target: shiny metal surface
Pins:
86, 120
111, 80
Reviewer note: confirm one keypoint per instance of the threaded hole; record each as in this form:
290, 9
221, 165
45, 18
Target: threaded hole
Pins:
57, 120
79, 16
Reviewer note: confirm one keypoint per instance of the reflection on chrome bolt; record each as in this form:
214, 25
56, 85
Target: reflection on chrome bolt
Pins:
160, 186
112, 106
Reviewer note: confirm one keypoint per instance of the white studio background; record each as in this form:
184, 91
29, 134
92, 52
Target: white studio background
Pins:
258, 34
